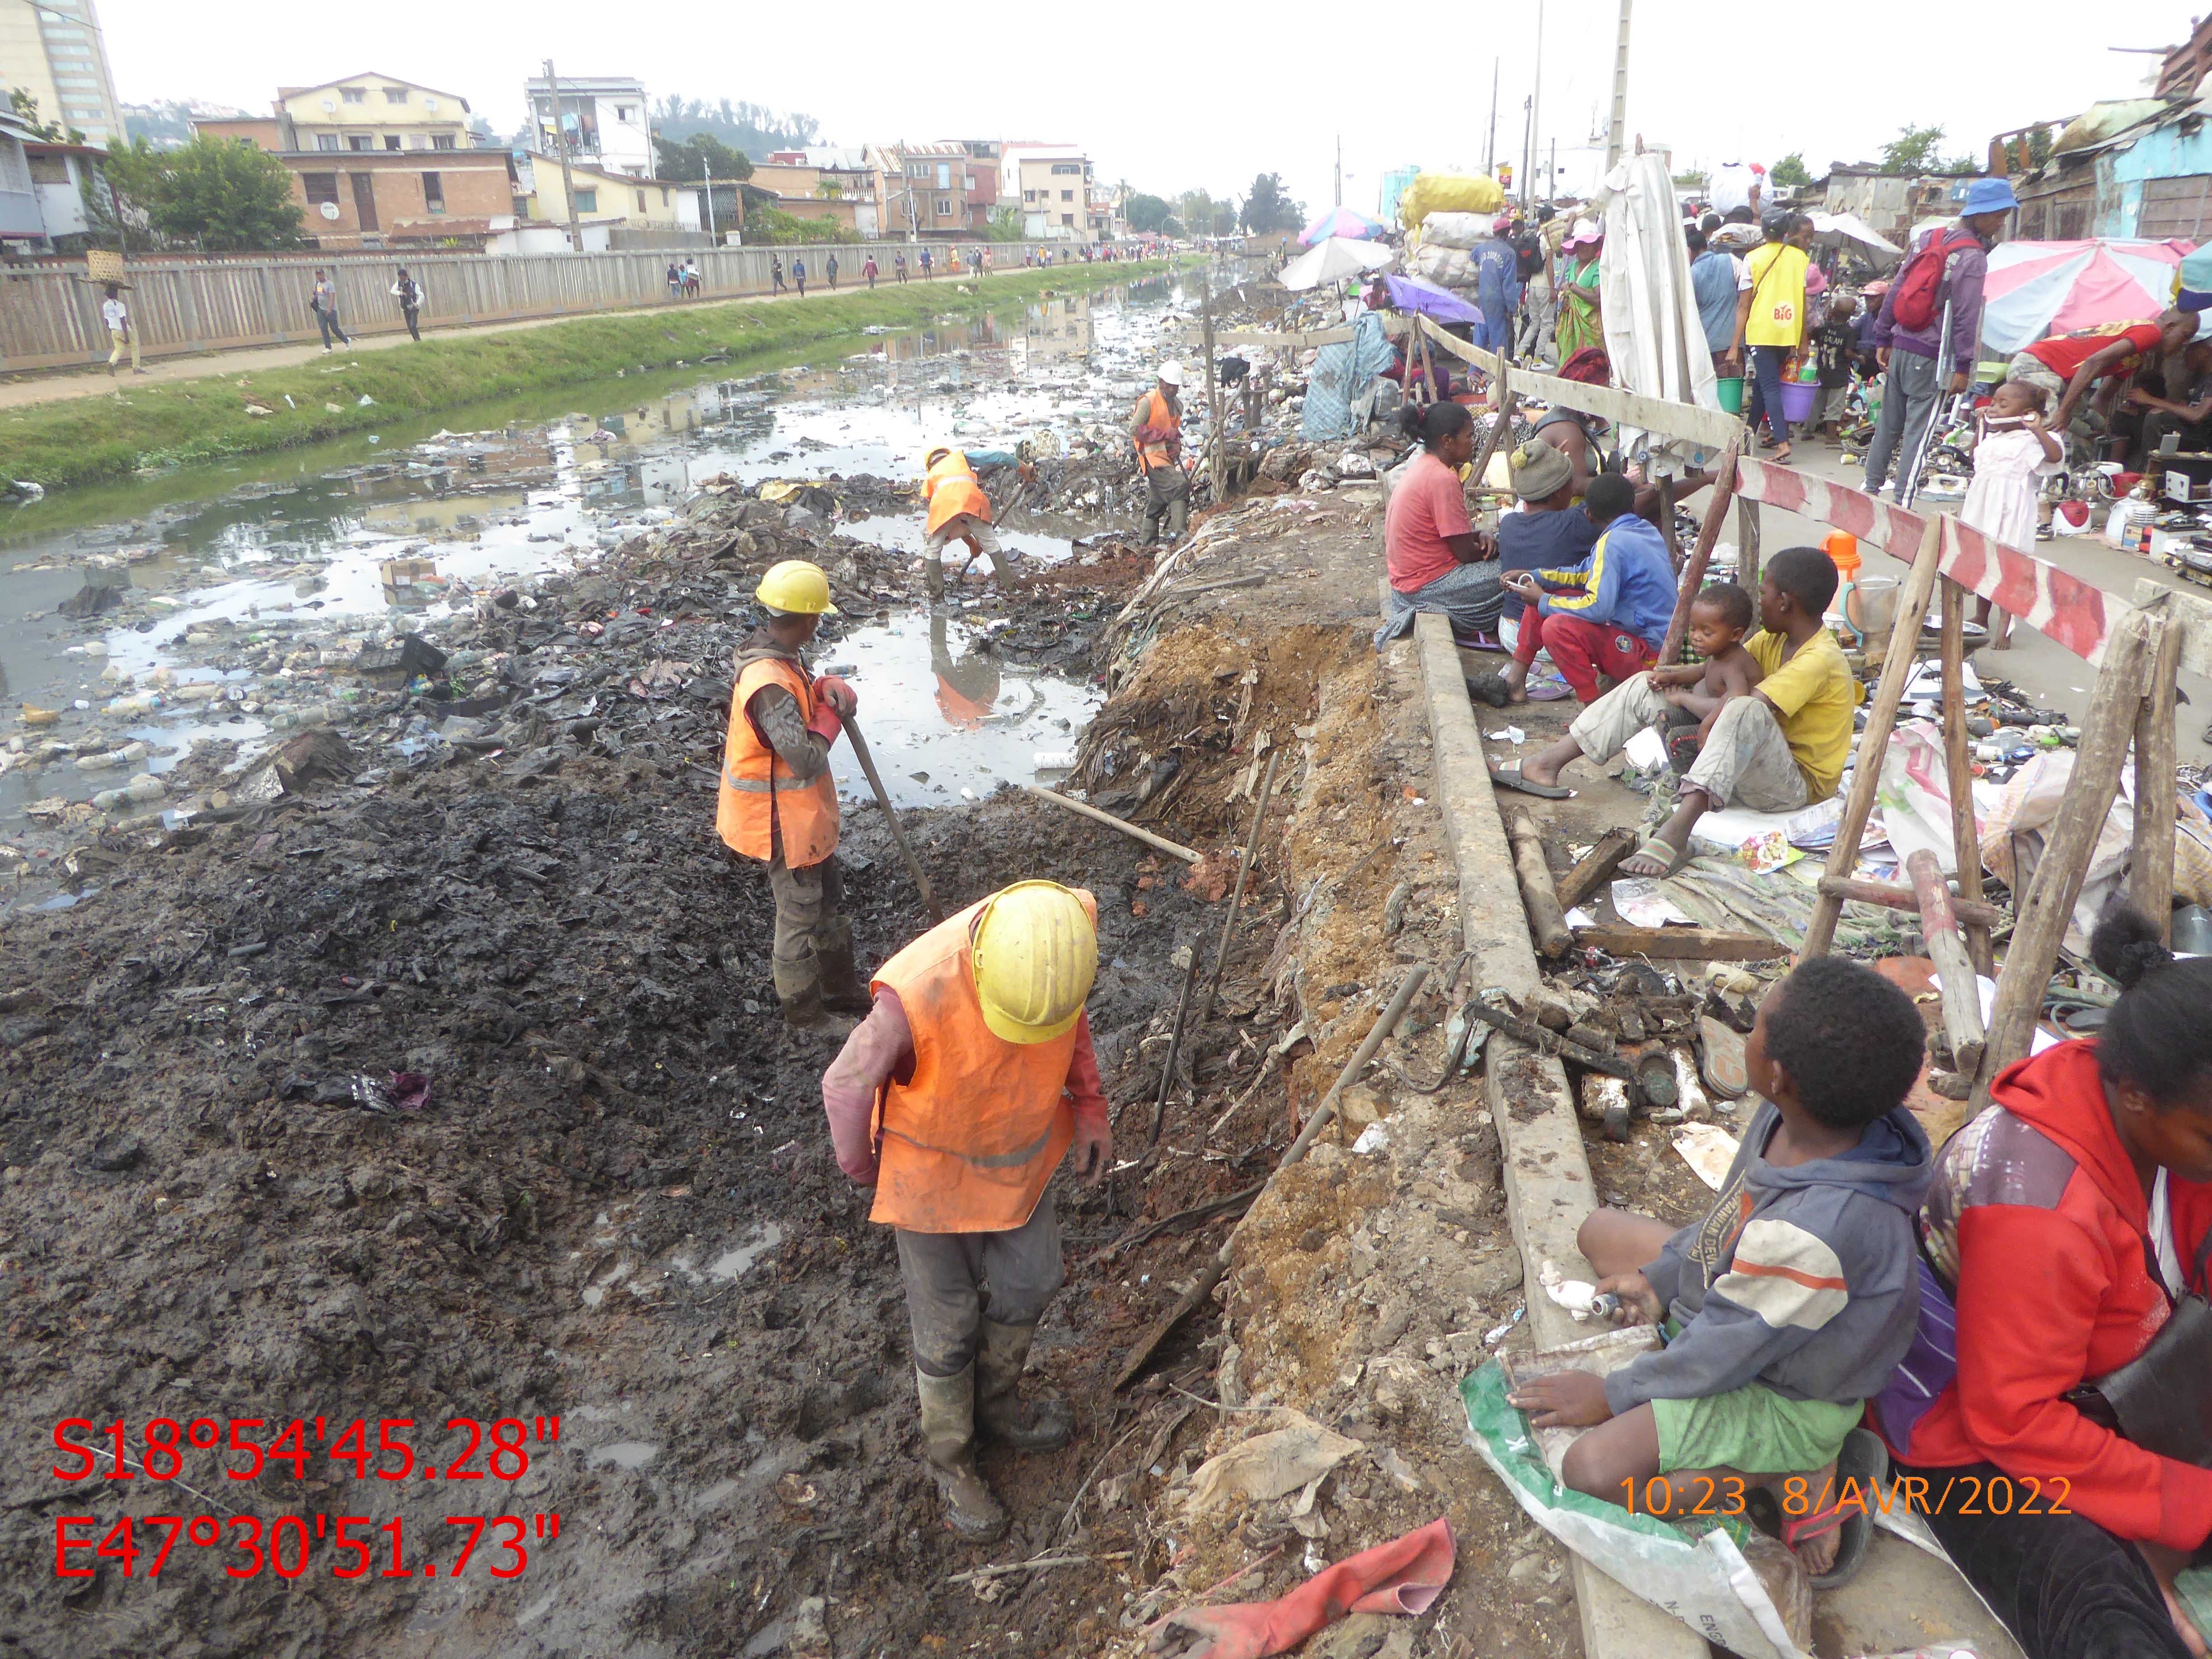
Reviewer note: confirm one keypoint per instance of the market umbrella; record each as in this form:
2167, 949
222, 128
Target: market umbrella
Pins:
1333, 259
1340, 222
1831, 227
1412, 294
2039, 288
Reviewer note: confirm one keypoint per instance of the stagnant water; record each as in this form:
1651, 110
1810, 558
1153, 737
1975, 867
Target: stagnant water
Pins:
509, 494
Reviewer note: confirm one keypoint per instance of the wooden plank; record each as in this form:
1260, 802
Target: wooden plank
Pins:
1746, 545
1714, 428
1703, 944
1856, 889
1693, 572
1958, 773
1955, 970
2041, 916
1596, 867
2150, 861
1873, 743
1547, 925
2192, 610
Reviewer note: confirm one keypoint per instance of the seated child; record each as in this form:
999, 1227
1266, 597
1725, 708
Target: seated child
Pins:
1720, 617
1791, 1303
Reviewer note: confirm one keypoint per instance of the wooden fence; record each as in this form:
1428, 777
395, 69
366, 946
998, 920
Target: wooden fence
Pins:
50, 314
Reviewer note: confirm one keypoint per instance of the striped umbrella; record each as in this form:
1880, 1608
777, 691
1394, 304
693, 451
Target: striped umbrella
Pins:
2036, 288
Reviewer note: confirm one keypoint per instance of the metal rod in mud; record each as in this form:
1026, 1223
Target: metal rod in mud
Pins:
1236, 899
1188, 855
1175, 1046
883, 799
1382, 1029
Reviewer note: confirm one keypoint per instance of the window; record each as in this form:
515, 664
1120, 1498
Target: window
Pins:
321, 187
945, 175
1029, 196
1068, 196
664, 196
327, 141
392, 141
434, 192
588, 201
1068, 219
1068, 167
641, 201
944, 207
395, 95
354, 95
2176, 207
359, 141
441, 141
625, 112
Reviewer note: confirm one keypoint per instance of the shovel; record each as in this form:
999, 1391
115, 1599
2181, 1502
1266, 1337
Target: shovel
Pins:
883, 799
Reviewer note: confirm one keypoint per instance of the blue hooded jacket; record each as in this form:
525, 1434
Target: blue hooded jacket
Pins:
1628, 582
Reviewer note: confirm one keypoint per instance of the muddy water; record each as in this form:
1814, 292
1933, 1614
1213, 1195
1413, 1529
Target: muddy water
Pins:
288, 551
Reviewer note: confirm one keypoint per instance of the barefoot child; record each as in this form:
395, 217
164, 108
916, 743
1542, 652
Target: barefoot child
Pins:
2011, 453
1791, 1303
1720, 617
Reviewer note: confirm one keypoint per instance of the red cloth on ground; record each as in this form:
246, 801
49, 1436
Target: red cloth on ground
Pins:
1581, 651
2053, 1288
1405, 1575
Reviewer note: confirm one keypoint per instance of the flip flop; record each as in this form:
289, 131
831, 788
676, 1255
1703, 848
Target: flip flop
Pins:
1720, 1059
1862, 1468
1550, 691
1491, 689
1652, 847
1510, 778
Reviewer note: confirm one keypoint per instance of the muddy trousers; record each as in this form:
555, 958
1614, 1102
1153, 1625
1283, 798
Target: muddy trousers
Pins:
809, 922
966, 528
1746, 760
949, 1277
1167, 495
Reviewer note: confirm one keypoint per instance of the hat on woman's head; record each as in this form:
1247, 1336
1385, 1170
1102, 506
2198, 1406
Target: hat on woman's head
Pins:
1538, 471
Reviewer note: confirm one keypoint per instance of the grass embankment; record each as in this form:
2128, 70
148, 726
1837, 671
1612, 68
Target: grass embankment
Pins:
82, 440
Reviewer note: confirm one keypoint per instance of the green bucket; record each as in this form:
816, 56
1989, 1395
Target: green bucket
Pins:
1731, 391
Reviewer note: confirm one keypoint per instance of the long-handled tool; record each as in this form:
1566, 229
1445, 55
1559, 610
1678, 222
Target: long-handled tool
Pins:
883, 799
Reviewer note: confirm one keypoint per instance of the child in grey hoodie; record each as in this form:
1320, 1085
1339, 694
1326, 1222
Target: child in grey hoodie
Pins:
1790, 1303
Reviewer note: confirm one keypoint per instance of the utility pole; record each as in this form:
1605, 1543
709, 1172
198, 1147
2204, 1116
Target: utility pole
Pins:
1615, 131
1339, 169
1490, 144
567, 178
708, 167
1535, 95
1527, 147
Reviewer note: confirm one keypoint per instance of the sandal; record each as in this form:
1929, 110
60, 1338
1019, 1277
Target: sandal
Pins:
1508, 777
1721, 1059
1862, 1468
1548, 691
1661, 851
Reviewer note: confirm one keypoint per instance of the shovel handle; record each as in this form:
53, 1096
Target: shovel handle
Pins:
883, 799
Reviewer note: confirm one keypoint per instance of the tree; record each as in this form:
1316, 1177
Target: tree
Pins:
1267, 209
1694, 180
219, 194
1171, 226
1147, 214
1005, 225
698, 156
1913, 150
53, 132
1195, 209
753, 128
1790, 170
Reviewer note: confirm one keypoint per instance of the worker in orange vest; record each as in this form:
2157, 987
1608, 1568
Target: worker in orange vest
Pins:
1157, 431
779, 798
959, 511
955, 1099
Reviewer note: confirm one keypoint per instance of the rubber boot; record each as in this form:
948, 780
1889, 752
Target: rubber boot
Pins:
799, 989
843, 990
933, 574
1000, 1412
948, 1441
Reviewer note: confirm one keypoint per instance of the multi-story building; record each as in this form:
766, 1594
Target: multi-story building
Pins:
358, 114
605, 117
987, 155
604, 196
1052, 185
928, 188
839, 185
54, 51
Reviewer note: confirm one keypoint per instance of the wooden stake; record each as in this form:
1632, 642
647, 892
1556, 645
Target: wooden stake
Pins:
1746, 545
1873, 743
1212, 407
2150, 864
1958, 771
1970, 912
1188, 855
1693, 573
1243, 871
1546, 920
1955, 972
1596, 867
2041, 917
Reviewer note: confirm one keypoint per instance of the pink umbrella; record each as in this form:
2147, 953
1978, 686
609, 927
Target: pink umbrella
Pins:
1340, 222
2036, 288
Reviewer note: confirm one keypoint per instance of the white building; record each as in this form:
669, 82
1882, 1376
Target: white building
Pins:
1051, 185
606, 119
55, 52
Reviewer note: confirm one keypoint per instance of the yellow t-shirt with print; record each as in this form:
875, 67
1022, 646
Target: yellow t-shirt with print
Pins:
1813, 694
1778, 295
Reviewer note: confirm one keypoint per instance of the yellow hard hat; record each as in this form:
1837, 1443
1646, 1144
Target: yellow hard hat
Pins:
797, 586
1036, 952
930, 460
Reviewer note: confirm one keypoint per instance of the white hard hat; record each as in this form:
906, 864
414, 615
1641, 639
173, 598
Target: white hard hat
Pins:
1171, 371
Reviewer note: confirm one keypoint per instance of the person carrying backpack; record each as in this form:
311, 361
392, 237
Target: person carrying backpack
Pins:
1949, 265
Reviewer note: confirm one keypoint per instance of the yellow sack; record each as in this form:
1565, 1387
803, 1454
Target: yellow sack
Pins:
1446, 192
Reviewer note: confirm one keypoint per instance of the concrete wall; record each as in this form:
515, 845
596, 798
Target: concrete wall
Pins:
50, 315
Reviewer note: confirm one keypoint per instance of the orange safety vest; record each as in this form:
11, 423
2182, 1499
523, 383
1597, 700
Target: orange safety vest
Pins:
968, 1142
1153, 409
759, 794
951, 489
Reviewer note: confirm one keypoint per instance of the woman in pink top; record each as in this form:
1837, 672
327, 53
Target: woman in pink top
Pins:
1438, 560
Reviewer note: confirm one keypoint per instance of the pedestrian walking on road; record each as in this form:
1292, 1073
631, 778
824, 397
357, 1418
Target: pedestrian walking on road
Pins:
868, 270
798, 275
775, 272
971, 1078
832, 269
778, 804
410, 295
675, 281
121, 336
898, 266
691, 279
325, 304
924, 265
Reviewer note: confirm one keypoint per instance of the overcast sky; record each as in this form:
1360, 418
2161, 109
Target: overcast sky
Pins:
1174, 97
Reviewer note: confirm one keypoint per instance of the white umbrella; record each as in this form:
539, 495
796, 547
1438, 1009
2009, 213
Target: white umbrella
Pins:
1329, 260
1849, 227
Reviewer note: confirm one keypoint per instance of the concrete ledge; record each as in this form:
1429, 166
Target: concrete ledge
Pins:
1548, 1189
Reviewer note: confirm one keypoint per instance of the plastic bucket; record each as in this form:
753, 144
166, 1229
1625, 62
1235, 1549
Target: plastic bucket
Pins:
1797, 397
1870, 604
1731, 394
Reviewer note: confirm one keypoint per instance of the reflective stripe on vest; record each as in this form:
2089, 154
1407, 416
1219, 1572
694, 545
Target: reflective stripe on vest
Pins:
1153, 409
971, 1139
759, 802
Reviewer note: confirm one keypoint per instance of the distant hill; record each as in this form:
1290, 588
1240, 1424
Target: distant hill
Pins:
753, 128
168, 125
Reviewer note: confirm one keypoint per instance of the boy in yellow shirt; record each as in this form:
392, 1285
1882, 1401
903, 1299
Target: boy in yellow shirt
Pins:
1779, 746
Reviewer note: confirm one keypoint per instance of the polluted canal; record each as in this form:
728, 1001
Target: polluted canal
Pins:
390, 1037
